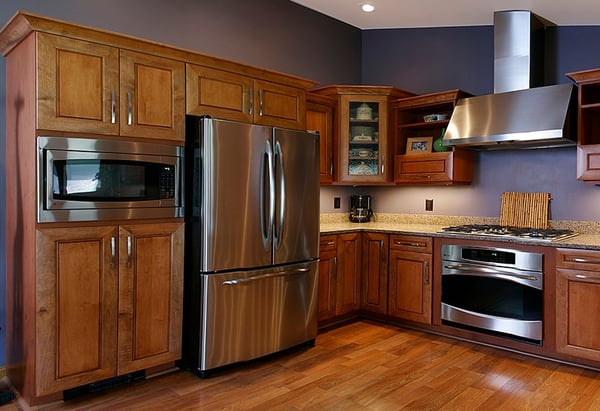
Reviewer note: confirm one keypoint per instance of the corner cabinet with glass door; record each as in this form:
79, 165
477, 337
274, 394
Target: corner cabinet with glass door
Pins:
364, 153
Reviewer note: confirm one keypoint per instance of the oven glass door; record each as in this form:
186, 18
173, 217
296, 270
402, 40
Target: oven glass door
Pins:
491, 296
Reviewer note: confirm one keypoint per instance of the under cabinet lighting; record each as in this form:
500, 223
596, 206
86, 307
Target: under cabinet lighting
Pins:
367, 7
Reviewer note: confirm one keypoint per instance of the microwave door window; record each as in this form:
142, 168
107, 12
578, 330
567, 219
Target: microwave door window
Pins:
105, 180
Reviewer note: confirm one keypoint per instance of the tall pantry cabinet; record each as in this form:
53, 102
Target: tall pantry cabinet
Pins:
95, 300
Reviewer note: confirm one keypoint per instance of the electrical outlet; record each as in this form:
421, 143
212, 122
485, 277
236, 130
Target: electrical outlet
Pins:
428, 205
336, 202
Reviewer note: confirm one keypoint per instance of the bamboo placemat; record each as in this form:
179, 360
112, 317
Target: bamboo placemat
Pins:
525, 210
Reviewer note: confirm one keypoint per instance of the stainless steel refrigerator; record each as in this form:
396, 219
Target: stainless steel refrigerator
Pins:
252, 232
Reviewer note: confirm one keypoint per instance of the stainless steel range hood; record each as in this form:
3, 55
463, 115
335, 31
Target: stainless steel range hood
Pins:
519, 114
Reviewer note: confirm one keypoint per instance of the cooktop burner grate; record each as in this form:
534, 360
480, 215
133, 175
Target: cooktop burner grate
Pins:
506, 231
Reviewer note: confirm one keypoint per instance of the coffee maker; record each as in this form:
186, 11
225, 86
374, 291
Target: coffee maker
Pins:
360, 209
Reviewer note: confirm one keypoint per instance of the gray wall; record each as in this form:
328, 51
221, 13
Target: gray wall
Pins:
274, 34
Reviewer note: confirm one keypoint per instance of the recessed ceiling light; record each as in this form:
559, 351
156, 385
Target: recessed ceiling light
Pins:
367, 7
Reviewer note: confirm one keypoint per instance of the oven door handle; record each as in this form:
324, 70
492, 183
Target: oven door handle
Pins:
475, 271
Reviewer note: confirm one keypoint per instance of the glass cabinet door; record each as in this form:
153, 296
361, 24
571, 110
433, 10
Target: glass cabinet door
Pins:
364, 138
363, 145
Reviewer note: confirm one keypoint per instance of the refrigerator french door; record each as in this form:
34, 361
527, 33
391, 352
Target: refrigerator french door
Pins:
252, 242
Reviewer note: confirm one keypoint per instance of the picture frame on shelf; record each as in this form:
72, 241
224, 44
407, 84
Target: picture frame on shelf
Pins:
419, 145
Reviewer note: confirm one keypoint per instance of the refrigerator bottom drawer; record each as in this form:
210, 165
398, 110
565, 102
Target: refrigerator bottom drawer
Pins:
247, 315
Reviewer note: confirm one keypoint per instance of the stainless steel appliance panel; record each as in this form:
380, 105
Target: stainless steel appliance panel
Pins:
296, 217
246, 315
231, 177
96, 206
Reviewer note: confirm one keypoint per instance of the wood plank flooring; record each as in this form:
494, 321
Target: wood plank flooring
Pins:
366, 366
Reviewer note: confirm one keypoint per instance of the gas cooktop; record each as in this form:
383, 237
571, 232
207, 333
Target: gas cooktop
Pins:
516, 232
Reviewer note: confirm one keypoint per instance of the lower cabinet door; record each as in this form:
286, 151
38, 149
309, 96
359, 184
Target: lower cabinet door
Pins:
75, 308
577, 305
348, 273
374, 284
410, 286
150, 295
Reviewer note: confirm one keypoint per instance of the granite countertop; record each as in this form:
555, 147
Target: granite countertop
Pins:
415, 224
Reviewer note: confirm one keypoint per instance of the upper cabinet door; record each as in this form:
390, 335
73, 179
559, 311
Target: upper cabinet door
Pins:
78, 85
218, 93
152, 97
279, 105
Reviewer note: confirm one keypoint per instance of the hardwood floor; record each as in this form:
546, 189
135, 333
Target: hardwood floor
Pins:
366, 366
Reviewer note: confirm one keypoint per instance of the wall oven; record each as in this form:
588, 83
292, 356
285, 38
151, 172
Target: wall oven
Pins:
87, 179
493, 290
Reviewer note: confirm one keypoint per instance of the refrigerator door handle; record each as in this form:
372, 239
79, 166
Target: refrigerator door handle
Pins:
237, 281
279, 224
267, 211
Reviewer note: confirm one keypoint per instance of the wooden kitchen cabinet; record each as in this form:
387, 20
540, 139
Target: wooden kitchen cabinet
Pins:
577, 303
319, 117
430, 168
374, 273
348, 273
327, 276
363, 146
410, 274
588, 124
108, 302
232, 96
339, 276
86, 87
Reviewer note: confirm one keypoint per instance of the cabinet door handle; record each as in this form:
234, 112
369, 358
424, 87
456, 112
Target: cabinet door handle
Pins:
251, 98
113, 108
128, 251
382, 165
113, 251
129, 108
426, 272
260, 102
334, 267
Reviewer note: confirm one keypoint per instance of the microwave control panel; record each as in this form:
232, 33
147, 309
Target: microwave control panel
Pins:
167, 182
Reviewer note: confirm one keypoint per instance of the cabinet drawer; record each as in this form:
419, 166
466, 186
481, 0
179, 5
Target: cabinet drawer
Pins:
327, 243
423, 168
588, 161
411, 243
578, 259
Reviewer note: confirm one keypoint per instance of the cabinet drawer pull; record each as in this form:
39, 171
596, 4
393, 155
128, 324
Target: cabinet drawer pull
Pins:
409, 244
328, 244
585, 260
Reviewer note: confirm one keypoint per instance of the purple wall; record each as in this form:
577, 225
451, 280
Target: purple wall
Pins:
274, 34
437, 59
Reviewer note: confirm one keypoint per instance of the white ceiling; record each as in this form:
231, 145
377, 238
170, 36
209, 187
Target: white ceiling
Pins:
444, 13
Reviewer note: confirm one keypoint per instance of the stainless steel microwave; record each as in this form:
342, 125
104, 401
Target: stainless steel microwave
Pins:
87, 179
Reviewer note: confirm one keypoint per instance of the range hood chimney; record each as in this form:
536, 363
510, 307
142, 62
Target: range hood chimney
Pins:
522, 112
